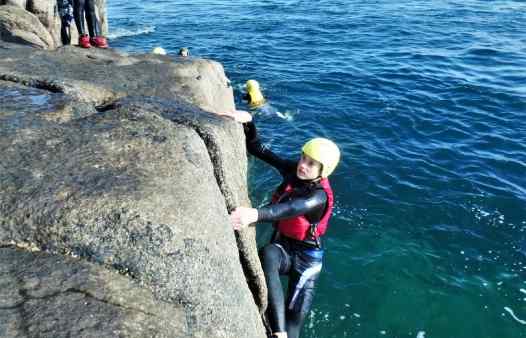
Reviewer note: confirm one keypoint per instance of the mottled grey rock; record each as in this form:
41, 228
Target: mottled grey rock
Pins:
19, 3
51, 296
20, 26
230, 172
100, 76
138, 184
88, 78
136, 190
25, 108
47, 12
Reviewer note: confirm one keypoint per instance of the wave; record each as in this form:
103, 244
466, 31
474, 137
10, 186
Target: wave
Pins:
123, 32
512, 314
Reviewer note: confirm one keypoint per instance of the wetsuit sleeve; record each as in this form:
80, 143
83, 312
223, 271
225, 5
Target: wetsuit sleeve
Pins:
255, 148
312, 205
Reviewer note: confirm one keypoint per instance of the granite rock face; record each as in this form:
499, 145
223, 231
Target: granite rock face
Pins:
20, 26
120, 160
19, 3
100, 76
51, 296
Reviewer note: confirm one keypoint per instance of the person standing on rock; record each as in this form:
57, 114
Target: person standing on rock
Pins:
81, 7
65, 10
300, 211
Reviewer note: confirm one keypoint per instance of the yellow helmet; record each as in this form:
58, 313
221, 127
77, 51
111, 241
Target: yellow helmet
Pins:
256, 97
324, 151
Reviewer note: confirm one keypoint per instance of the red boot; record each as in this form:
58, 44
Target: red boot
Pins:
84, 41
99, 41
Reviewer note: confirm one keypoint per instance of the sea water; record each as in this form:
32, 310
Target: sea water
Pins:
427, 100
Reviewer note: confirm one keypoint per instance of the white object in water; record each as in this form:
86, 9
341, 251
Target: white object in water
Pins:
159, 51
421, 334
280, 114
510, 311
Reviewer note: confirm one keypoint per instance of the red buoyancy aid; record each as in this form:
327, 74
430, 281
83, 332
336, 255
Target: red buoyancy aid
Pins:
298, 227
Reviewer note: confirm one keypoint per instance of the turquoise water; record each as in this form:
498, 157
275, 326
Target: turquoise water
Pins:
427, 100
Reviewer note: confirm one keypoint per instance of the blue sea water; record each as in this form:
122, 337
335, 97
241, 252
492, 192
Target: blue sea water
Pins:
427, 100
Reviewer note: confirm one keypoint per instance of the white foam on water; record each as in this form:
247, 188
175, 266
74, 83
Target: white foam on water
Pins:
311, 319
286, 116
122, 32
512, 314
356, 315
421, 334
522, 290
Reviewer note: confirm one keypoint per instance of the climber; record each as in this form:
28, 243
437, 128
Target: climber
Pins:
300, 211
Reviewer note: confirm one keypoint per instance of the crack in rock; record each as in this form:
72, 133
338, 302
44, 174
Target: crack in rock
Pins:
50, 86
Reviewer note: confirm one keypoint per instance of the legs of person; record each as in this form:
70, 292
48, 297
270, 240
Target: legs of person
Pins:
65, 33
302, 305
274, 260
96, 39
307, 264
78, 13
91, 18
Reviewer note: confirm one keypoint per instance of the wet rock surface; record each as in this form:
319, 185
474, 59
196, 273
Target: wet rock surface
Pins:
43, 295
118, 159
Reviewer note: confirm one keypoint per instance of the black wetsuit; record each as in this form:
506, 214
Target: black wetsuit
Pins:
300, 260
87, 6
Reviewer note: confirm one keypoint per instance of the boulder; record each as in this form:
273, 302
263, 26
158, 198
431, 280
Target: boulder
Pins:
141, 184
46, 11
19, 26
19, 3
52, 296
134, 189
